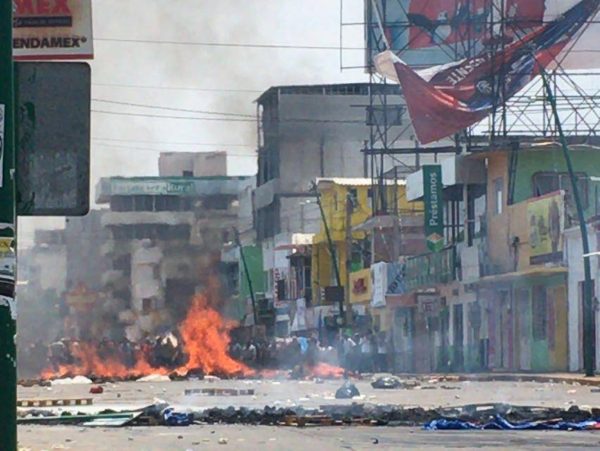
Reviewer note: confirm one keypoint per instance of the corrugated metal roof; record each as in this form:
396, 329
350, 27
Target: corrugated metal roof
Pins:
355, 181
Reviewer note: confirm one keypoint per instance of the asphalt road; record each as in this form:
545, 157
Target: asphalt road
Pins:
309, 394
251, 438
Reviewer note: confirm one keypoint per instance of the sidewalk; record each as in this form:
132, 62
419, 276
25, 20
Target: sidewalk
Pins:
567, 378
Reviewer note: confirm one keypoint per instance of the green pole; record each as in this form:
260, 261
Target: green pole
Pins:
247, 274
8, 352
589, 320
331, 246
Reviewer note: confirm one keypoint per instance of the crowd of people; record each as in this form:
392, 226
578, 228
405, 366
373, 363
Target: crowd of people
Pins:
364, 353
280, 353
160, 351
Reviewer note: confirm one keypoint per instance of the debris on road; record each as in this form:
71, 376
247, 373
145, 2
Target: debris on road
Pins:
500, 423
172, 418
347, 391
155, 378
219, 392
54, 402
387, 383
72, 381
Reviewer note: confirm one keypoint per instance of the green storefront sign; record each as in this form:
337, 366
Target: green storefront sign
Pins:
434, 207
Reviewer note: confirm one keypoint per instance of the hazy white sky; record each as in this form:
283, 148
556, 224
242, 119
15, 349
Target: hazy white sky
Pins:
123, 145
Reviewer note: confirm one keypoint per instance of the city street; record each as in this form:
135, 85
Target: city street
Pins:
271, 438
309, 394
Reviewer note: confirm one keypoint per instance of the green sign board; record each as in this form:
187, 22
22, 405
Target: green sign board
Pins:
434, 207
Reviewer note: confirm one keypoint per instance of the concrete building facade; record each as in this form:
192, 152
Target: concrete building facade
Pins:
166, 237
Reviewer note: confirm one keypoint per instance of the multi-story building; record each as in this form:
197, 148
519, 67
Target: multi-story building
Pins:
192, 164
310, 132
505, 292
166, 237
84, 238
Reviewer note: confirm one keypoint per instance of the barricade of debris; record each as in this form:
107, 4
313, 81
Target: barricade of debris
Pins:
162, 413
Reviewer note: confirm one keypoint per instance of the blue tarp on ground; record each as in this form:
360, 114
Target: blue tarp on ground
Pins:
500, 423
172, 418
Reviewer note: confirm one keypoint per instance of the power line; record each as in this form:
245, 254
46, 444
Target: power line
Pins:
170, 142
228, 119
231, 45
160, 107
148, 149
177, 88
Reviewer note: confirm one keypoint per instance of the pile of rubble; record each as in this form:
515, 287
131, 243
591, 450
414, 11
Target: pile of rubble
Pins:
377, 415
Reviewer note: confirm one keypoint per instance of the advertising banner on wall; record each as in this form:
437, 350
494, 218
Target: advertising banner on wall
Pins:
52, 30
546, 219
434, 32
379, 276
434, 207
443, 100
360, 286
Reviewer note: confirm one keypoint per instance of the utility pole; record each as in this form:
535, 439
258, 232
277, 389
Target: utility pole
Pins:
8, 323
348, 231
332, 252
247, 273
589, 314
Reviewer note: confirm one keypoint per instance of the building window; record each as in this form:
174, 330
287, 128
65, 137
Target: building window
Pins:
498, 196
385, 115
188, 173
147, 305
549, 182
539, 313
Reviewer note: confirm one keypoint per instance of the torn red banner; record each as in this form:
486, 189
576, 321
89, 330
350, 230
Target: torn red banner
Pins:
443, 100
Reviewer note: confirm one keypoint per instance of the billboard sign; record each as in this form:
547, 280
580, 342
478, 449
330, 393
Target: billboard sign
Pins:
434, 207
546, 220
435, 32
444, 100
53, 138
52, 30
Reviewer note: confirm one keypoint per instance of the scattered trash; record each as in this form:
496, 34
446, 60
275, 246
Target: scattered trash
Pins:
173, 418
219, 392
72, 381
571, 392
223, 441
375, 441
500, 423
211, 378
96, 390
155, 378
449, 387
347, 391
386, 382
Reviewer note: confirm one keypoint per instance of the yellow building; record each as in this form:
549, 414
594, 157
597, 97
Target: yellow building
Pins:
347, 201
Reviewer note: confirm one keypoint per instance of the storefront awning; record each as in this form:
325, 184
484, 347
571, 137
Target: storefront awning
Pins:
531, 272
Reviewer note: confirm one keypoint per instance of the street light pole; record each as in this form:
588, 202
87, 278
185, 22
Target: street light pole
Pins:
8, 323
589, 319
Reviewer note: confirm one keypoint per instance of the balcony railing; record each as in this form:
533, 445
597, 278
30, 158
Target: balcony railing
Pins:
431, 269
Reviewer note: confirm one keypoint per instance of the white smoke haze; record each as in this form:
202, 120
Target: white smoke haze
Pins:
288, 22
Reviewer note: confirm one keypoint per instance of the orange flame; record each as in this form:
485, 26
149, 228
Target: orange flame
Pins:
205, 338
326, 371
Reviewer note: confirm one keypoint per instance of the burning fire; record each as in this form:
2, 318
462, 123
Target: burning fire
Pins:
205, 336
326, 371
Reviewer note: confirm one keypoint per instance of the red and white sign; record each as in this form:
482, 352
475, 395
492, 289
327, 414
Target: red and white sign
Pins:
52, 30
